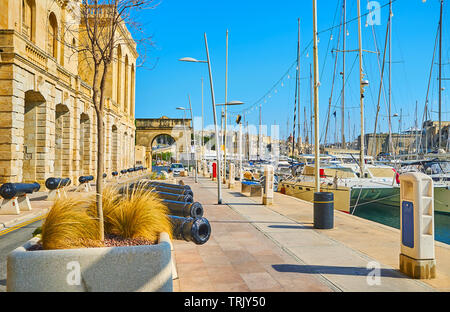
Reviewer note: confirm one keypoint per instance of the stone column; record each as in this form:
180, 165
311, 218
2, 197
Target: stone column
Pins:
268, 185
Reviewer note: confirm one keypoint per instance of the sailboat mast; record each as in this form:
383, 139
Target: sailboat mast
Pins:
391, 147
344, 35
298, 88
361, 84
311, 98
316, 100
440, 75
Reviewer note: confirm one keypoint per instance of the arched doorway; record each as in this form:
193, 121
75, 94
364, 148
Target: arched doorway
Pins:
62, 137
34, 136
163, 147
85, 144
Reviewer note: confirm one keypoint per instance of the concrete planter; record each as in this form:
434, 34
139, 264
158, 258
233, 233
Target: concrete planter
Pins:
111, 269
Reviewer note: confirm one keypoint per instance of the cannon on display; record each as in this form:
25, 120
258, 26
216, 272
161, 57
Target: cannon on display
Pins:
56, 187
15, 197
181, 209
193, 230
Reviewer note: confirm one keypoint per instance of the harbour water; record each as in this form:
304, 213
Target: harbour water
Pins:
390, 216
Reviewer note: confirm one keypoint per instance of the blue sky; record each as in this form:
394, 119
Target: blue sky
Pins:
263, 46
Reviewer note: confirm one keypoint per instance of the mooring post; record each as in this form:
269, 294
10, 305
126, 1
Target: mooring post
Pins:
417, 257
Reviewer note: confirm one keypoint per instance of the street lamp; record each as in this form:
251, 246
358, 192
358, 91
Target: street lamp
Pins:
213, 100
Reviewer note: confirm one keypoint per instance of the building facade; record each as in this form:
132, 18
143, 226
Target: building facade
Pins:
47, 119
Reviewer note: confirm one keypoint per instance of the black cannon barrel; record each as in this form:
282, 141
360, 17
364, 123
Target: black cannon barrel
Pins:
130, 170
172, 190
175, 197
181, 209
187, 187
123, 171
11, 190
85, 179
104, 175
193, 230
115, 173
57, 183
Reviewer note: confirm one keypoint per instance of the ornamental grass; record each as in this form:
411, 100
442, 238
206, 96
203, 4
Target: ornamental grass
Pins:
73, 223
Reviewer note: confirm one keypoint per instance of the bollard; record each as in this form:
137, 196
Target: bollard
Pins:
182, 209
56, 187
323, 211
193, 230
417, 257
231, 179
214, 171
268, 185
15, 197
205, 168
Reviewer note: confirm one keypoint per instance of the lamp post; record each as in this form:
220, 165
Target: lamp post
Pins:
232, 103
213, 100
184, 127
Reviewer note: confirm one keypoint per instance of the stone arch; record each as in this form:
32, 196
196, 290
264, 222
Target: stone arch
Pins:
115, 148
53, 35
62, 140
34, 136
85, 144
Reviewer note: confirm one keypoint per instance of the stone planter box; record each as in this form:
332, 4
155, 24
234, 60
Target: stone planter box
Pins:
111, 269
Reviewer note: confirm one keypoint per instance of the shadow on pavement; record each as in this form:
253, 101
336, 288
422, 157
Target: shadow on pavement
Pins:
292, 227
321, 269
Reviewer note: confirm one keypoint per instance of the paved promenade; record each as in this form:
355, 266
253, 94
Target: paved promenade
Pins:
255, 248
268, 249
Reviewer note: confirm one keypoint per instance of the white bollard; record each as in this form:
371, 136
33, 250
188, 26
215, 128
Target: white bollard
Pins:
205, 169
9, 207
268, 185
417, 257
231, 178
24, 203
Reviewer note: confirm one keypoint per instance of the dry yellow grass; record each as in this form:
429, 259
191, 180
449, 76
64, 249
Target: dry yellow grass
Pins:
140, 214
72, 222
68, 226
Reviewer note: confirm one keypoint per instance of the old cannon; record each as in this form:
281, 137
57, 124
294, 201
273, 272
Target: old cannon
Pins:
84, 183
175, 197
56, 187
104, 175
11, 190
114, 173
57, 183
193, 230
15, 197
123, 171
177, 186
181, 209
160, 188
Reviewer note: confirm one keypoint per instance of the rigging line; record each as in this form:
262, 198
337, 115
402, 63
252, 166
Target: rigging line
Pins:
356, 18
332, 86
425, 110
329, 41
276, 84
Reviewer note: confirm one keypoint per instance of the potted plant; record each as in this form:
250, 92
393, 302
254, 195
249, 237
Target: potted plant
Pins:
69, 256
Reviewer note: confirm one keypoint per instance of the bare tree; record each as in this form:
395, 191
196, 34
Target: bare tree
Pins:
99, 26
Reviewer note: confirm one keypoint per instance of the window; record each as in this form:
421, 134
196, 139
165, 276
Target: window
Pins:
28, 18
52, 35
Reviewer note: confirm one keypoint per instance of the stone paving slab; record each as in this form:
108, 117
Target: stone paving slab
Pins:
237, 258
331, 257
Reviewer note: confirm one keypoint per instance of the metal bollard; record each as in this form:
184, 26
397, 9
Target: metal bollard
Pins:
417, 257
323, 211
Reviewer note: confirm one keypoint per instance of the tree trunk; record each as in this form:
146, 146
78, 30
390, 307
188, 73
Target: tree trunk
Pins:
100, 169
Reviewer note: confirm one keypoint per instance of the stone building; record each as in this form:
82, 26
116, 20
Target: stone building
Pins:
47, 119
